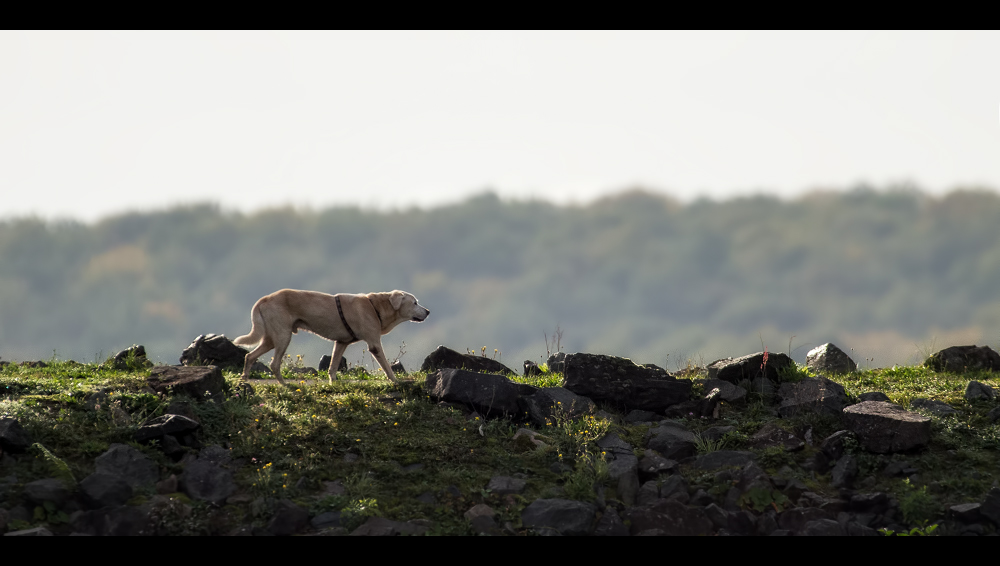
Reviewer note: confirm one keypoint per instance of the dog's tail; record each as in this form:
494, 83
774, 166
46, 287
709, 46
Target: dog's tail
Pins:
256, 329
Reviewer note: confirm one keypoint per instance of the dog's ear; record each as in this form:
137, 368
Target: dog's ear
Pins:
396, 299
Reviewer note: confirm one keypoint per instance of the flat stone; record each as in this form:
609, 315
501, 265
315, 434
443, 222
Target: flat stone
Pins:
812, 395
884, 427
129, 464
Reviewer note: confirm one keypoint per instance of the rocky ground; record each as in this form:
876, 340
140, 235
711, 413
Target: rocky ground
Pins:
584, 445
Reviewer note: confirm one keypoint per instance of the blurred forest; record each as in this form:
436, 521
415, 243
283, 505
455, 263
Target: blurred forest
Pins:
889, 273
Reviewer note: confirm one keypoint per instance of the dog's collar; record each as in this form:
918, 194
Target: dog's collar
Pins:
344, 320
376, 314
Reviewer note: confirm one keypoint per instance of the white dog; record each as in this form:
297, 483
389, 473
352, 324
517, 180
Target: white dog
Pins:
343, 318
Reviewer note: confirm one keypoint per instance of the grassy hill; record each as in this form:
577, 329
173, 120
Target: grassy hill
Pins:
366, 448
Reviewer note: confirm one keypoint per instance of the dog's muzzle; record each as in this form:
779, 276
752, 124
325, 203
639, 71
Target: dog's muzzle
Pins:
421, 319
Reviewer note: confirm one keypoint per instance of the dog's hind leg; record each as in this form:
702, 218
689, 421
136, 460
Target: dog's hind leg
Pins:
338, 353
280, 345
257, 352
377, 351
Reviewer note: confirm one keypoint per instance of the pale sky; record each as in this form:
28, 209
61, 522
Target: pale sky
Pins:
96, 123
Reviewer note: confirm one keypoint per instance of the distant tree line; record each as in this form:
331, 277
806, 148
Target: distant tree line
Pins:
635, 274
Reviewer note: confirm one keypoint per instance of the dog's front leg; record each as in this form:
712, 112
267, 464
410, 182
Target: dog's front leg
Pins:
376, 349
338, 353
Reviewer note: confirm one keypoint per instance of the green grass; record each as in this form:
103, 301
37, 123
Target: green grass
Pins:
367, 433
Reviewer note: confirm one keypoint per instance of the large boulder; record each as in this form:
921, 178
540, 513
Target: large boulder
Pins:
959, 359
549, 403
215, 350
197, 382
489, 394
446, 358
128, 464
208, 478
885, 427
830, 359
671, 440
812, 395
13, 437
562, 516
750, 367
623, 383
103, 490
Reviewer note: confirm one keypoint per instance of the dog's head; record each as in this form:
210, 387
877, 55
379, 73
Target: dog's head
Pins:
407, 307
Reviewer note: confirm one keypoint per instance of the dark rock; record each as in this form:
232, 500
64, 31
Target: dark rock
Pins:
966, 512
671, 440
649, 492
884, 427
730, 393
750, 367
723, 459
206, 479
288, 519
766, 524
823, 528
548, 403
504, 485
610, 525
103, 490
326, 520
671, 517
718, 515
993, 415
13, 437
742, 522
875, 503
829, 359
833, 445
938, 408
855, 529
773, 435
990, 507
138, 355
129, 464
613, 444
195, 382
701, 498
562, 515
674, 487
556, 362
873, 396
156, 428
50, 490
324, 363
623, 383
213, 350
624, 470
844, 472
445, 358
958, 359
975, 391
796, 518
652, 465
812, 395
489, 394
